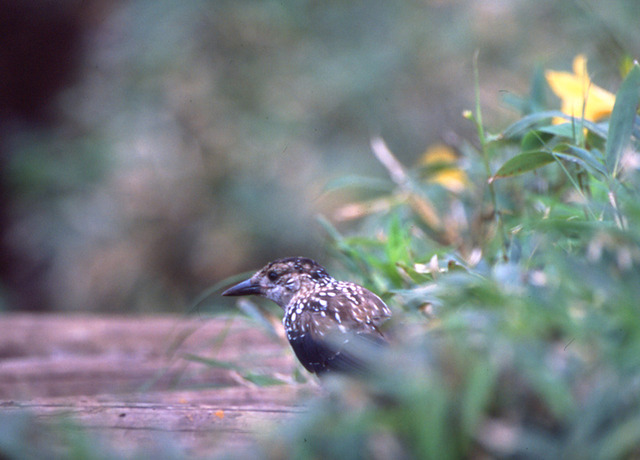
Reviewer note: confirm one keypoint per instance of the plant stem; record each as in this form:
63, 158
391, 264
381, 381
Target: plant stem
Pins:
485, 154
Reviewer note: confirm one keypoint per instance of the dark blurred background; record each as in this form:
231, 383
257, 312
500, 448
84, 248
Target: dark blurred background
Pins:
152, 148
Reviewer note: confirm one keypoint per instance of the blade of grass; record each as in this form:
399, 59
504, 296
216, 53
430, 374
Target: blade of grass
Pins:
212, 362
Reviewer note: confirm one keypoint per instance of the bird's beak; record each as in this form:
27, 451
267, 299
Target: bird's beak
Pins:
244, 288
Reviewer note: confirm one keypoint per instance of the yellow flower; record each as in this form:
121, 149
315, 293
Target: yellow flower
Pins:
440, 162
578, 94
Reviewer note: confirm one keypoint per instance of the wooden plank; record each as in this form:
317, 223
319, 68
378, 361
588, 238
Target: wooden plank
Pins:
72, 355
129, 380
197, 423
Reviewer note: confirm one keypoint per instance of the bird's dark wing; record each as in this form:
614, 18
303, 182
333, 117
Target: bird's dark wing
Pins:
340, 334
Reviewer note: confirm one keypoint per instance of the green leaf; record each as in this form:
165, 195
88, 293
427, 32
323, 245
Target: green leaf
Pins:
622, 118
398, 242
522, 163
535, 101
599, 129
537, 98
588, 159
526, 123
534, 120
534, 141
573, 128
567, 130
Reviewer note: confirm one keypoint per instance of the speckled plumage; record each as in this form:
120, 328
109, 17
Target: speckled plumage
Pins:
322, 316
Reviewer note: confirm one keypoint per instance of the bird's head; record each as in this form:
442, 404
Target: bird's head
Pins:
281, 279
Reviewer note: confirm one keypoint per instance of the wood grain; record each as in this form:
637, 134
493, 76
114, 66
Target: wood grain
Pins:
129, 380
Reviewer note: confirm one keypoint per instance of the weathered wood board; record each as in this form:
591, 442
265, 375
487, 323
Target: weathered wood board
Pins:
130, 381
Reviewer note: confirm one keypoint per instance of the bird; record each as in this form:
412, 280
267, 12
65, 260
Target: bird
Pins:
329, 324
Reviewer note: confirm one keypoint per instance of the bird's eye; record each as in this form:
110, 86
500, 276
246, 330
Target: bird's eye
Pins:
272, 275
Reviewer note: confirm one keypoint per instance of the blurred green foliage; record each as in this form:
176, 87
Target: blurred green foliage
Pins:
196, 138
524, 343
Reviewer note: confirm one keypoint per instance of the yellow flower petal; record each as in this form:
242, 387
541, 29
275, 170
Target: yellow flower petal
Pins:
438, 153
580, 66
578, 94
446, 172
454, 180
